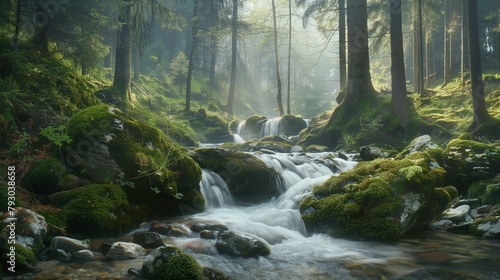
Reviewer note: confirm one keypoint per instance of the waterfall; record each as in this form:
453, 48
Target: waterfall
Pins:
270, 127
278, 219
215, 190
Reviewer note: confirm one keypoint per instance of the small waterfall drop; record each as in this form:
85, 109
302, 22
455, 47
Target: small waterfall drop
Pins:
215, 190
270, 127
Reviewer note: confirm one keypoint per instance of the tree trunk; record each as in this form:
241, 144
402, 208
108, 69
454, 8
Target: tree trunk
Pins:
447, 43
41, 38
464, 64
481, 114
15, 39
213, 61
399, 98
278, 77
123, 59
288, 110
342, 50
234, 57
359, 83
421, 88
193, 49
136, 62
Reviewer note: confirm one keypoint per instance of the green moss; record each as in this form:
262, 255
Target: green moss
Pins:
492, 194
179, 266
95, 210
44, 176
452, 192
24, 255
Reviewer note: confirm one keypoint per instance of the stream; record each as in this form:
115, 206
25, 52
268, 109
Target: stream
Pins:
296, 254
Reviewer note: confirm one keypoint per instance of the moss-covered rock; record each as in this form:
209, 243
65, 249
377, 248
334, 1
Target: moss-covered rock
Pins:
24, 257
467, 161
292, 125
96, 210
487, 190
44, 176
248, 178
178, 266
488, 227
109, 146
380, 200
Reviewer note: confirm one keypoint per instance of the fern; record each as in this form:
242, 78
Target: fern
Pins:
410, 171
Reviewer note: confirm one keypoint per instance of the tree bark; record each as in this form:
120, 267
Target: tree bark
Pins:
421, 88
447, 43
288, 110
342, 49
234, 57
399, 98
481, 114
359, 83
464, 64
193, 49
123, 59
278, 77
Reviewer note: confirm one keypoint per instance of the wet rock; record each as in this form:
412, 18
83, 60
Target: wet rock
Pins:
267, 152
457, 215
83, 255
160, 228
316, 149
198, 227
436, 273
248, 178
488, 227
67, 244
371, 153
178, 232
442, 224
238, 244
472, 202
343, 155
148, 239
213, 274
462, 228
61, 255
296, 149
207, 234
156, 258
484, 209
125, 250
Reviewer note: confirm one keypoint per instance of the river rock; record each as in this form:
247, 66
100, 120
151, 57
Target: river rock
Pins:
484, 209
487, 227
198, 227
83, 255
125, 250
67, 244
207, 234
238, 244
148, 239
61, 255
248, 178
297, 149
161, 228
31, 228
457, 215
371, 153
472, 202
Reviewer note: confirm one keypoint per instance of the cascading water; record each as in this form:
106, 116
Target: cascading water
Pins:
215, 190
270, 127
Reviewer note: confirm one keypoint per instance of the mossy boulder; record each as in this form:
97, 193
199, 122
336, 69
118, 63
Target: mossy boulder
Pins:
96, 210
24, 257
380, 200
292, 124
169, 263
467, 161
252, 127
44, 177
487, 190
249, 179
210, 128
109, 146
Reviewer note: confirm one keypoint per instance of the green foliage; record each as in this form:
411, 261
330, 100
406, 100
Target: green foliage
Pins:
57, 135
179, 68
44, 176
410, 171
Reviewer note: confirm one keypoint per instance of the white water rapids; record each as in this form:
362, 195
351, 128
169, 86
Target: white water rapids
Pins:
294, 254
